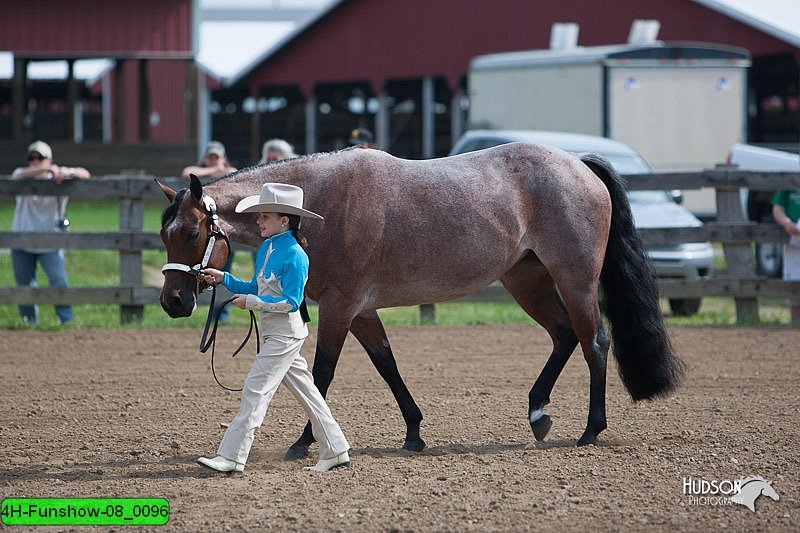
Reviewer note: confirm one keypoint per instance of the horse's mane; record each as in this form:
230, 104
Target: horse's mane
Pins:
293, 161
169, 213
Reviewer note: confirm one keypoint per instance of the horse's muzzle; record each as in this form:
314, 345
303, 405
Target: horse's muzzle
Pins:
178, 303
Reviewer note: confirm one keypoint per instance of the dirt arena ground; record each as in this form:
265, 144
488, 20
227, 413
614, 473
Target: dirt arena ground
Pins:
99, 413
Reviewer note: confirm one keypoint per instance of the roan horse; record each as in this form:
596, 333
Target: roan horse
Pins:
551, 226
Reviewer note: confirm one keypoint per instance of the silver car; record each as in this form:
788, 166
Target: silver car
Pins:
651, 209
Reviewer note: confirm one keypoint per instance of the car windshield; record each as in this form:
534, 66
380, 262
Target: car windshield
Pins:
628, 164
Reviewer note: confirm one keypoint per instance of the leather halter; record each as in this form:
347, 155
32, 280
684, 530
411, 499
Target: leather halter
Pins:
214, 230
210, 333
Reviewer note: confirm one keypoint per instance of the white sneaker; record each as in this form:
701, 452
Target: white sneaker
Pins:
323, 465
220, 464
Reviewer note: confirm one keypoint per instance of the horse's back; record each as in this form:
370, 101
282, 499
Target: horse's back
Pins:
446, 227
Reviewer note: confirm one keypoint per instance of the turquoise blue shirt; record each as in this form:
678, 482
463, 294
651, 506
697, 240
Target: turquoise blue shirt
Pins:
288, 262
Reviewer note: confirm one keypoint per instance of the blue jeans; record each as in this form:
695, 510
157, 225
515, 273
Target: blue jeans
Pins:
25, 275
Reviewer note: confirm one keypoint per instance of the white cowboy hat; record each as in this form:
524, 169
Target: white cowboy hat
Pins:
276, 198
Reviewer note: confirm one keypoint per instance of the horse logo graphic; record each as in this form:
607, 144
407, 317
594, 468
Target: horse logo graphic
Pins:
751, 488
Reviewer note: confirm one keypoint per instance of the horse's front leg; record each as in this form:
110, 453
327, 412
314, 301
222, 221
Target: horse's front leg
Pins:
331, 334
368, 329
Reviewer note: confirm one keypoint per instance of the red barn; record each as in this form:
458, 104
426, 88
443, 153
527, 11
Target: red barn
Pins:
396, 67
399, 67
147, 97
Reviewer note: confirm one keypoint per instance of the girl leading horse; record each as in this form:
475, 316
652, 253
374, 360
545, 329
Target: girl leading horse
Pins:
552, 227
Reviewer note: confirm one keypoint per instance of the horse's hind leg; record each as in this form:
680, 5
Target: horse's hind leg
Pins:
369, 331
533, 289
585, 314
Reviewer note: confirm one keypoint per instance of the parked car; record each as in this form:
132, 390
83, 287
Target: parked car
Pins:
757, 204
651, 209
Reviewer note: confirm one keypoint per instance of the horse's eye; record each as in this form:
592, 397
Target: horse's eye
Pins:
193, 234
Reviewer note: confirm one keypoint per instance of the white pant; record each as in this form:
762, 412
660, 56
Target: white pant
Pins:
279, 361
791, 260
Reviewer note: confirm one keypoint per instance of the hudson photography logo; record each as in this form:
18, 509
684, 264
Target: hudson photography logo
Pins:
744, 491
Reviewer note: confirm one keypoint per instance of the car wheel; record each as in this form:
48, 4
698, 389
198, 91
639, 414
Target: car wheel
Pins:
769, 259
684, 306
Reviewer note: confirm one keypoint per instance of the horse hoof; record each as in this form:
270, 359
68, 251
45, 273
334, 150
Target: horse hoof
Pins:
414, 445
587, 438
541, 427
296, 452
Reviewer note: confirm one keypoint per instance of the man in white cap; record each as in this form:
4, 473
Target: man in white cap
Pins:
213, 165
277, 291
36, 213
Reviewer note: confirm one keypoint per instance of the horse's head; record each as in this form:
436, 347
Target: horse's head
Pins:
193, 239
769, 491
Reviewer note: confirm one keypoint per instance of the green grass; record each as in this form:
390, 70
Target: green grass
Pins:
97, 268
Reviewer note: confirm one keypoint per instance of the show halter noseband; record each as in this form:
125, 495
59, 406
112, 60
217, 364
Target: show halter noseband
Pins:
214, 232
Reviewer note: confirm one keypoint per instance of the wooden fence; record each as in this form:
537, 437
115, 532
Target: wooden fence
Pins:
731, 228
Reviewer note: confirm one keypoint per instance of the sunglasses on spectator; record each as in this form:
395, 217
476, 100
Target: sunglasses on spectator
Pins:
36, 157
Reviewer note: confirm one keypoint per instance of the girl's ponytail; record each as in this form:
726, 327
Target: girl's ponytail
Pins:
294, 225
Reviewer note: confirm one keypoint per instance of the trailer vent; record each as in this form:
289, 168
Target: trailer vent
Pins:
563, 36
644, 31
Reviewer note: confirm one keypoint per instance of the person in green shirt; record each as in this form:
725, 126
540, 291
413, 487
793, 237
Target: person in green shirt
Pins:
786, 212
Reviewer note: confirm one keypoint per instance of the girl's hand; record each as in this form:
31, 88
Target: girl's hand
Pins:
212, 275
239, 300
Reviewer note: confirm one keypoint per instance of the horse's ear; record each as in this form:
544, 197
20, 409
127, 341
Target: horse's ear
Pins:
169, 193
196, 187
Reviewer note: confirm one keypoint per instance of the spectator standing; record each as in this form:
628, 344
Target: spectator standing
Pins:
213, 165
35, 213
275, 150
786, 212
362, 137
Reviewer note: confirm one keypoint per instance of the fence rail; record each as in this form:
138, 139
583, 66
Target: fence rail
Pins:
731, 228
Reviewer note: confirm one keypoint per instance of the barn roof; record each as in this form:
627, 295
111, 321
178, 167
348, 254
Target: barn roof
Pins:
779, 18
372, 41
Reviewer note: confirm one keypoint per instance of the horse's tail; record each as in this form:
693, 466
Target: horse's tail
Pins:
647, 364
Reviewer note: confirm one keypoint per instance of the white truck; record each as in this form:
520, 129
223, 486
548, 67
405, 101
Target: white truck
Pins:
756, 204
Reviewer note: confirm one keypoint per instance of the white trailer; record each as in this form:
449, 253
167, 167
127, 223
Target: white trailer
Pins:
682, 105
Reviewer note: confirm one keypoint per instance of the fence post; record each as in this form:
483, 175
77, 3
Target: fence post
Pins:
131, 218
738, 255
427, 313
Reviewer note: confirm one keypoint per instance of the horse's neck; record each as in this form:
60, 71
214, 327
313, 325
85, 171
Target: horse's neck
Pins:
227, 192
243, 232
239, 227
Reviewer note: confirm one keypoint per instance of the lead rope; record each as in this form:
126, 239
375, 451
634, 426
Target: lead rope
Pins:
194, 271
212, 336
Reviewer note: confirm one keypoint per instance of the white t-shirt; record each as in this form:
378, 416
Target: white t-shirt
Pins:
37, 213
